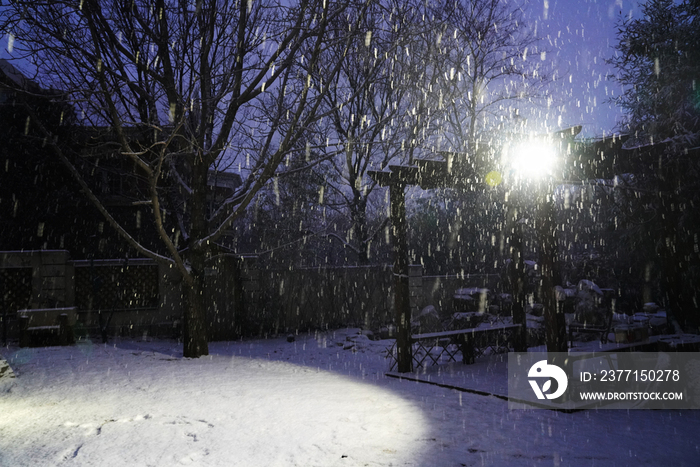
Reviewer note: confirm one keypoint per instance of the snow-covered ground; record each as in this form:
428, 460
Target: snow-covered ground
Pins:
322, 400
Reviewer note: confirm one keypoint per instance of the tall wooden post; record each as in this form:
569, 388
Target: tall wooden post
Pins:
427, 174
517, 277
401, 290
555, 325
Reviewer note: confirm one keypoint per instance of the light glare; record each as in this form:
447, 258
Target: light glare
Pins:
531, 159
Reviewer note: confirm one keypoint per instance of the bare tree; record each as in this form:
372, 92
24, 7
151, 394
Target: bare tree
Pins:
378, 111
191, 79
493, 65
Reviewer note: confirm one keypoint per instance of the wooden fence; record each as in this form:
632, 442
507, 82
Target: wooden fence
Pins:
138, 296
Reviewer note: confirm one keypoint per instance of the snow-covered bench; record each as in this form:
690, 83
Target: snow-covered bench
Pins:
470, 342
40, 326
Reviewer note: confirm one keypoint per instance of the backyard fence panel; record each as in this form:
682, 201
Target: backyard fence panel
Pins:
16, 288
121, 296
110, 286
313, 298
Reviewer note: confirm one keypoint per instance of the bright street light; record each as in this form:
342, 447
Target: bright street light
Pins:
532, 159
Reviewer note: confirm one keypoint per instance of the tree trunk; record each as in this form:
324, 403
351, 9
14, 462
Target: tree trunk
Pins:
362, 234
195, 314
194, 320
358, 215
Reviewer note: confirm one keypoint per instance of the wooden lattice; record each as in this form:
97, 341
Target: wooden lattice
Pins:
15, 288
111, 287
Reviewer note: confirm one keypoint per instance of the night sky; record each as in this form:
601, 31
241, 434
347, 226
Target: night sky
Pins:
580, 35
584, 31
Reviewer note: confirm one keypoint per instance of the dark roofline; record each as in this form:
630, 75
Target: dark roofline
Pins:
15, 79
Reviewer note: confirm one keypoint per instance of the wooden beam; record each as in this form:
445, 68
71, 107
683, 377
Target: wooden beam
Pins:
402, 305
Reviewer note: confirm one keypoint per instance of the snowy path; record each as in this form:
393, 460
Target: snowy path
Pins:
308, 403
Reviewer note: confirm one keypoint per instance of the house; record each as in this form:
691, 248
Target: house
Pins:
41, 205
12, 81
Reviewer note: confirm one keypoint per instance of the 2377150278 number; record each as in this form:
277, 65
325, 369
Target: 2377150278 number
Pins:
639, 375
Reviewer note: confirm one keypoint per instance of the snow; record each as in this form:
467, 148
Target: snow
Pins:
322, 400
584, 285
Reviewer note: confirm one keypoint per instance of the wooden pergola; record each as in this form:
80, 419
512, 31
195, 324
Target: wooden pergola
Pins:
426, 174
454, 173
